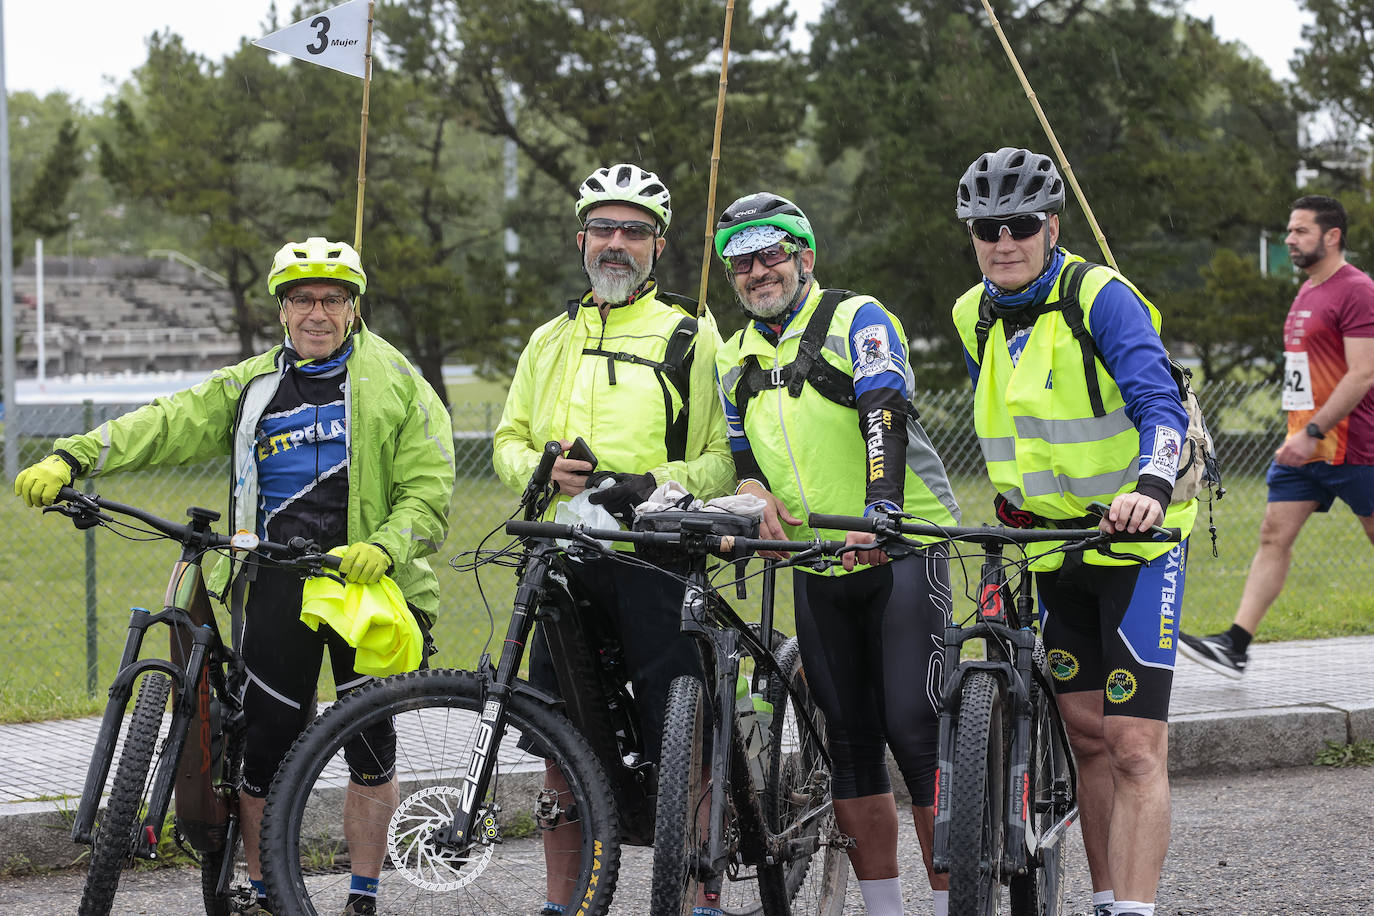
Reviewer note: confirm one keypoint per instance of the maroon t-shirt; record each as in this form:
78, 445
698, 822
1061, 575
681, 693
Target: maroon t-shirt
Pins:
1319, 320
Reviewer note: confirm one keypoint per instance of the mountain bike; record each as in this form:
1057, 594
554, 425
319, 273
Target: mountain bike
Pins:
753, 828
486, 760
1006, 783
197, 761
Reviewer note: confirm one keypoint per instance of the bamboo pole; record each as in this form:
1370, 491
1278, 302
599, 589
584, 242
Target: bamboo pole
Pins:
362, 138
715, 160
1049, 132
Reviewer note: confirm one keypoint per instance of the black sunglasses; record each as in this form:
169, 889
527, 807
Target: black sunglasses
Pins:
771, 256
989, 229
633, 229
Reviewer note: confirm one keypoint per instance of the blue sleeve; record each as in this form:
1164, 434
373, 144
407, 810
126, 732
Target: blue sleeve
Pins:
1136, 358
876, 351
972, 365
734, 423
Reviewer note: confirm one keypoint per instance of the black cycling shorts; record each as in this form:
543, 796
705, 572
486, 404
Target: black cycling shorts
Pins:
872, 644
642, 607
283, 658
1115, 629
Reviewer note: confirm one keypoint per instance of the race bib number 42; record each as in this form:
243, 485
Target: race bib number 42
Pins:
1297, 382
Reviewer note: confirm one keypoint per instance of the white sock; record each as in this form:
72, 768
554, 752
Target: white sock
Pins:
1133, 906
1103, 897
882, 896
941, 902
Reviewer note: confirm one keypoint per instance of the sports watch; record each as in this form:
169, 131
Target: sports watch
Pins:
1315, 431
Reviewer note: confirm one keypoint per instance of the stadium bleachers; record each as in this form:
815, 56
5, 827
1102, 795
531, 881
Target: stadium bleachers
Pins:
105, 315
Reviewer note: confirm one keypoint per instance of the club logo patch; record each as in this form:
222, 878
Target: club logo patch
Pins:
874, 352
1121, 686
1063, 665
1168, 447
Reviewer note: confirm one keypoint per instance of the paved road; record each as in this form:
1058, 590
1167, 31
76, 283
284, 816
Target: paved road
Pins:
1291, 842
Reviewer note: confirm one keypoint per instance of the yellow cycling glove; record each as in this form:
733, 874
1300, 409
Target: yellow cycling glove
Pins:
364, 563
38, 483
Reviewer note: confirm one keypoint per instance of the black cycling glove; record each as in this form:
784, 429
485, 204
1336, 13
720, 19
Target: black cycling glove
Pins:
620, 499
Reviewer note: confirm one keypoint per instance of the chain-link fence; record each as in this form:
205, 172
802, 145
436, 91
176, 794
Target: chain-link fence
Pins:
65, 595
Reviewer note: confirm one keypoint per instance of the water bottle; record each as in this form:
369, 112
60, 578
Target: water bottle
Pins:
754, 717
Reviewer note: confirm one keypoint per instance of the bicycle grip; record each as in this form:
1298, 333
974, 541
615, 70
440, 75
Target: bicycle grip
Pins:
542, 474
1153, 533
523, 529
840, 522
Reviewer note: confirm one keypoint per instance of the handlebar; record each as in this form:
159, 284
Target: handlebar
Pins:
87, 509
716, 543
894, 525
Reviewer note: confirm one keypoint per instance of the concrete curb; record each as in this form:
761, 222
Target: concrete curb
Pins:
1255, 739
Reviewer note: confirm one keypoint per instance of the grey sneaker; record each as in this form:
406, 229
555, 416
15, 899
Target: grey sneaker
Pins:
1216, 652
364, 907
256, 908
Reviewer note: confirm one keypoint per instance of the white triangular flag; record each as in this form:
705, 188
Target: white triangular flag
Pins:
335, 38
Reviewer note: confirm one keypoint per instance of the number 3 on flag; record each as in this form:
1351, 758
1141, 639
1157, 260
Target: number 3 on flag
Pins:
335, 38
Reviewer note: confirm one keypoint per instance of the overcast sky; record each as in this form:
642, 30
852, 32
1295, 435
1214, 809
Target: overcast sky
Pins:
77, 45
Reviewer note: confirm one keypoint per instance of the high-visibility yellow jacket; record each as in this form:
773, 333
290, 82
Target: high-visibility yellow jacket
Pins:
811, 448
1044, 449
620, 407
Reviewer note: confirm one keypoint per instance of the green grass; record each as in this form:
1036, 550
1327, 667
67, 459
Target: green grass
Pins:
43, 632
1358, 754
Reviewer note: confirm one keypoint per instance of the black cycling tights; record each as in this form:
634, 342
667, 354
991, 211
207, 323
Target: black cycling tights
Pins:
283, 657
871, 642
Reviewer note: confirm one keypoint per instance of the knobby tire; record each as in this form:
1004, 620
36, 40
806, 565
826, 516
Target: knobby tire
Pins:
677, 837
812, 881
239, 894
116, 829
304, 851
977, 792
1040, 892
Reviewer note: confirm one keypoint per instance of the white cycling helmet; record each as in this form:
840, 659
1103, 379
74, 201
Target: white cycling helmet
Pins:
628, 184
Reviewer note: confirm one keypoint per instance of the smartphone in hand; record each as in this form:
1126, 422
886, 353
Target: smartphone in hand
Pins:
581, 451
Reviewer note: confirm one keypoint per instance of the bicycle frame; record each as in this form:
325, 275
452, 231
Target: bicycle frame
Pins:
721, 647
194, 641
1004, 628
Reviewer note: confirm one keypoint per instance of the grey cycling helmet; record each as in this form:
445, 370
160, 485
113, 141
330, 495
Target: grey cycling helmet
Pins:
1008, 182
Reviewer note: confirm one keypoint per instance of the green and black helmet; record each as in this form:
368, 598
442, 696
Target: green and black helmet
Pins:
762, 209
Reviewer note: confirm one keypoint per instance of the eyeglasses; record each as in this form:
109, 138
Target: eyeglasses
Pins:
1021, 227
633, 229
334, 305
771, 256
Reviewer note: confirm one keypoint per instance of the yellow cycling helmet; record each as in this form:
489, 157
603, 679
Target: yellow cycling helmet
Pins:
316, 259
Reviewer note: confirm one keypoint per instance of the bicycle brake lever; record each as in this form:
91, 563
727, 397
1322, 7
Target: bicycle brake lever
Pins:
84, 515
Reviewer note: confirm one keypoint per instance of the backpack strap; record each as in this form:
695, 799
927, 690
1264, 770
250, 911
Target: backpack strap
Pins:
809, 366
674, 369
1071, 281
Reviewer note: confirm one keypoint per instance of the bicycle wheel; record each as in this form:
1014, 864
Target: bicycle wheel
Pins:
811, 878
1040, 892
976, 799
677, 837
238, 892
116, 830
305, 852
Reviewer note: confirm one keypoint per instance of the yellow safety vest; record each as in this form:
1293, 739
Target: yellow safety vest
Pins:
1044, 449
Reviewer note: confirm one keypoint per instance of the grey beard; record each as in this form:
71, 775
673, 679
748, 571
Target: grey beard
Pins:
776, 306
611, 287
